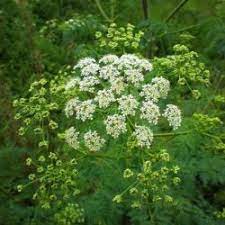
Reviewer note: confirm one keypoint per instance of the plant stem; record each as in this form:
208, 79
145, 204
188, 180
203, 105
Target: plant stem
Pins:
131, 124
102, 10
172, 134
211, 136
145, 9
183, 29
179, 6
129, 187
113, 3
83, 153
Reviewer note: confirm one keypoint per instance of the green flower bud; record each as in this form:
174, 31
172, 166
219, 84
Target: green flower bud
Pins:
19, 187
28, 161
127, 173
196, 94
31, 176
117, 199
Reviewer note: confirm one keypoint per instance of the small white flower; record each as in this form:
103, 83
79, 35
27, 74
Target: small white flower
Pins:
117, 85
85, 110
115, 125
159, 88
88, 83
128, 61
84, 62
71, 106
93, 141
150, 112
144, 64
144, 136
173, 115
109, 59
162, 85
72, 83
128, 104
108, 72
71, 137
90, 70
104, 98
134, 76
150, 92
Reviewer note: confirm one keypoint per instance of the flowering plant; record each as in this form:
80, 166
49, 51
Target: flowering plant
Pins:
120, 39
116, 110
184, 69
117, 102
116, 91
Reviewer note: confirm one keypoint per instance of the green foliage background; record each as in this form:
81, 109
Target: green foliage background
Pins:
36, 43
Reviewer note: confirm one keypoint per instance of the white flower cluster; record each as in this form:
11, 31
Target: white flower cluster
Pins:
128, 105
116, 87
93, 141
85, 110
111, 67
144, 136
150, 112
115, 125
109, 72
90, 69
134, 76
84, 62
109, 59
82, 109
71, 107
158, 88
71, 136
173, 115
104, 98
88, 83
130, 61
162, 85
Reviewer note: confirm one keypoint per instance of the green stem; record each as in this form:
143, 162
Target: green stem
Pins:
98, 155
212, 136
189, 87
113, 2
183, 29
145, 9
172, 134
179, 6
217, 84
102, 10
151, 214
130, 122
28, 184
83, 153
129, 187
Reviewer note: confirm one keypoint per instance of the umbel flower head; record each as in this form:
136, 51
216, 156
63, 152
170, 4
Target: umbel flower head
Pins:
114, 98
